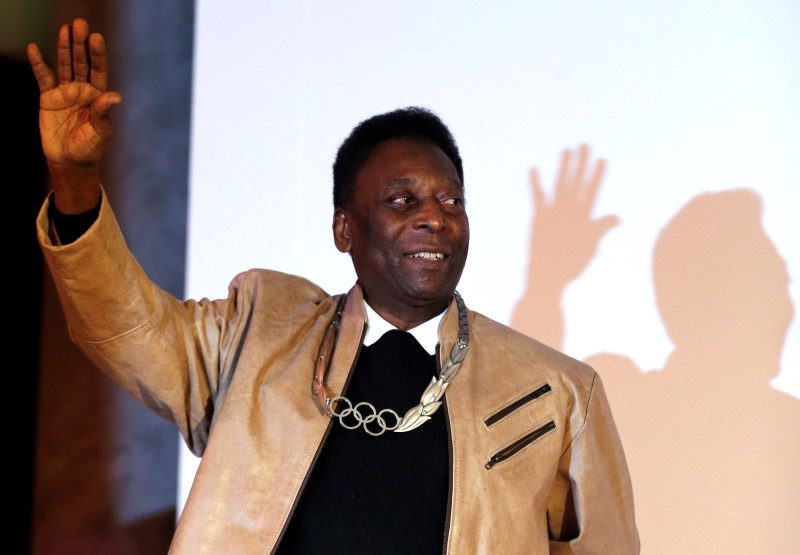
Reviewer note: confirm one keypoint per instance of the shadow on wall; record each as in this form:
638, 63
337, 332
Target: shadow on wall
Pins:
713, 449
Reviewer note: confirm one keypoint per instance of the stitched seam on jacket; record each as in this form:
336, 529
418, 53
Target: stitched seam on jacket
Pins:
585, 417
134, 329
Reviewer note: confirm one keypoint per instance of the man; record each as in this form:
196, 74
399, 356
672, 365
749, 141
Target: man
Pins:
319, 432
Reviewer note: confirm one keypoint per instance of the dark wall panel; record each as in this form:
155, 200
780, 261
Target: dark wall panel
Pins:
105, 471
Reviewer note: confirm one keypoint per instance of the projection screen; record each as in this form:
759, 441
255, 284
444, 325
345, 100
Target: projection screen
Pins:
693, 108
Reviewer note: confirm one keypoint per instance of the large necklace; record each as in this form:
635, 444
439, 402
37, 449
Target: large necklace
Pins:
375, 422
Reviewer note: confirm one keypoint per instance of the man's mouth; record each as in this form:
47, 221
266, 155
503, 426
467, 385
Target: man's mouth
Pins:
427, 255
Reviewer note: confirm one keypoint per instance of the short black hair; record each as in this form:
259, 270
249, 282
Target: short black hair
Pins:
413, 122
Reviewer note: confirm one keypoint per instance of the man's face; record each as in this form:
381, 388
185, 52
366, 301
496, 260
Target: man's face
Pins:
406, 229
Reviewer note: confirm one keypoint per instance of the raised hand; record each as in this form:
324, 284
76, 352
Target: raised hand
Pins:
74, 114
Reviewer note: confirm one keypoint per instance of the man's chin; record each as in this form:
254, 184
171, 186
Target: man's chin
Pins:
432, 294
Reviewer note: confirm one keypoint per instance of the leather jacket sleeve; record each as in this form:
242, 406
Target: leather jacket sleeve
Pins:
590, 509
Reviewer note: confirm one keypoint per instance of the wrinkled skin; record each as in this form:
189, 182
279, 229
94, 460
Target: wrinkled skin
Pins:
74, 114
407, 231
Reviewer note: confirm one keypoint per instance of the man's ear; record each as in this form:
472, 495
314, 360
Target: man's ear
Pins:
341, 231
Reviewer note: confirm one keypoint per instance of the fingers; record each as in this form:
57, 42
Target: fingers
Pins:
103, 103
44, 75
99, 61
72, 60
101, 112
80, 62
64, 55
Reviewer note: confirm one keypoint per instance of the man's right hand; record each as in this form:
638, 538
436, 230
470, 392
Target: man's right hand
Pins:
74, 114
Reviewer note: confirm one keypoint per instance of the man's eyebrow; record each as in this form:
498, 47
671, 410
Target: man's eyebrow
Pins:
403, 181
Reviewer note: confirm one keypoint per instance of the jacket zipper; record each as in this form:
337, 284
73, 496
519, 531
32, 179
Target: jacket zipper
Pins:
449, 465
518, 445
496, 417
449, 479
318, 452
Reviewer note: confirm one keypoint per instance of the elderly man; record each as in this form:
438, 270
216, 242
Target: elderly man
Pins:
389, 419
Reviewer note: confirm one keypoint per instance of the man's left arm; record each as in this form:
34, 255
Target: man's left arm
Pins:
590, 509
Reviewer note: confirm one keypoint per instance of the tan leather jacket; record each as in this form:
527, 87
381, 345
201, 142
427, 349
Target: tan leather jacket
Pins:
235, 377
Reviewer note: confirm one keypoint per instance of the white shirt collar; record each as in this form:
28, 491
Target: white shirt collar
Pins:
427, 333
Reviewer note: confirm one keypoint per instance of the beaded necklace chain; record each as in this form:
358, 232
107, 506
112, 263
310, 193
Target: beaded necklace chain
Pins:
375, 422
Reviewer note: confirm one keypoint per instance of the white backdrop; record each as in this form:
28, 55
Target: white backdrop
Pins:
680, 98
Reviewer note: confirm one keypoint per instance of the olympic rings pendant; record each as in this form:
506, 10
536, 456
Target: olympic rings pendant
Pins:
363, 420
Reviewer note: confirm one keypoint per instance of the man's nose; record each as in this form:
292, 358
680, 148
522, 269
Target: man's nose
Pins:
429, 215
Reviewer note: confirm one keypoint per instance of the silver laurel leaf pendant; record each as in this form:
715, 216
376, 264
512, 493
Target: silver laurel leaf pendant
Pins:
434, 391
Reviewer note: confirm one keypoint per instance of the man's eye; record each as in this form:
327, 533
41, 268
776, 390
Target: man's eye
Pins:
454, 201
402, 200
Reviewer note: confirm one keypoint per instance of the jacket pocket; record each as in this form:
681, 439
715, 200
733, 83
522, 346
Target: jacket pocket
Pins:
518, 404
517, 446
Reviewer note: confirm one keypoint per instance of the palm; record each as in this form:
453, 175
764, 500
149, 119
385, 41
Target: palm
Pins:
69, 129
74, 101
